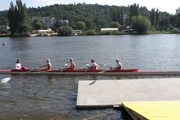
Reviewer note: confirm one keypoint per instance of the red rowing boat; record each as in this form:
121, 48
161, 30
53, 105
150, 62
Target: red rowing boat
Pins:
91, 72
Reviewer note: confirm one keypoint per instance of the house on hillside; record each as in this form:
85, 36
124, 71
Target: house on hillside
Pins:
4, 29
49, 22
76, 32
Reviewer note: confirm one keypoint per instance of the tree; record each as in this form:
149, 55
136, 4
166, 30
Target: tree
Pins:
90, 32
114, 14
11, 18
157, 18
164, 22
134, 10
37, 25
152, 16
18, 18
115, 25
81, 25
178, 22
121, 16
24, 28
89, 24
178, 11
172, 20
178, 17
140, 24
65, 31
56, 25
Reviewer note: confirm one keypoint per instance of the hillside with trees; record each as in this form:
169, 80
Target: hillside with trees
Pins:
94, 16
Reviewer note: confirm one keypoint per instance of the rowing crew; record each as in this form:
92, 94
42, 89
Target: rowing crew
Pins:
48, 66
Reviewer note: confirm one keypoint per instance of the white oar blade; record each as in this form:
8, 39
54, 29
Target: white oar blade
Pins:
5, 80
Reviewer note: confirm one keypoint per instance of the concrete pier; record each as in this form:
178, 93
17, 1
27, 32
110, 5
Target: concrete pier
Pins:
105, 93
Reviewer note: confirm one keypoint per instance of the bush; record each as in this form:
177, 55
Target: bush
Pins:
65, 31
140, 24
90, 32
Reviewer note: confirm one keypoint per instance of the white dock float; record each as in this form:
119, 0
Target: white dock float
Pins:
109, 93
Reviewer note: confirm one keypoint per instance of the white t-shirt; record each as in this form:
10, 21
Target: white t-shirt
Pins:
119, 65
18, 66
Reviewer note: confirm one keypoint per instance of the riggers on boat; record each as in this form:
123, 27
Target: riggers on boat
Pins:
93, 72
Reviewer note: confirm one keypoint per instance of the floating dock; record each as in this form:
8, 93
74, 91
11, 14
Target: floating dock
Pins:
153, 95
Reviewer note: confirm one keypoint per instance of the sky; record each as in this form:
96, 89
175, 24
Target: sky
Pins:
169, 6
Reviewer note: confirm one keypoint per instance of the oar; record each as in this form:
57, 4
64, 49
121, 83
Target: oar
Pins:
5, 80
35, 70
108, 66
97, 116
104, 65
60, 116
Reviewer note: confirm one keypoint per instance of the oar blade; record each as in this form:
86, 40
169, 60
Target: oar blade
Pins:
5, 80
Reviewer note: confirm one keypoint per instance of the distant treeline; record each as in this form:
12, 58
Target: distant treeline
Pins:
98, 16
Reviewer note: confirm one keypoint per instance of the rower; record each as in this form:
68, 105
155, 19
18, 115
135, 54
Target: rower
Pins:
93, 65
47, 66
72, 66
119, 65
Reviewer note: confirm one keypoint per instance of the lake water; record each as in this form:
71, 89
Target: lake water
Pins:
45, 97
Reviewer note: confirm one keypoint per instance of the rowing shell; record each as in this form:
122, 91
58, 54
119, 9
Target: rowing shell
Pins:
93, 72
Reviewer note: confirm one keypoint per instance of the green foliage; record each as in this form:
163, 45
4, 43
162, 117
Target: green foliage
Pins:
115, 14
24, 28
65, 31
152, 17
164, 22
134, 10
18, 19
157, 18
80, 26
121, 16
89, 24
178, 11
140, 24
115, 25
56, 26
37, 25
94, 16
90, 32
178, 21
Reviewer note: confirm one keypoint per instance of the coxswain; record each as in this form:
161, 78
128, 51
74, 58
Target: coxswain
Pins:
18, 64
47, 66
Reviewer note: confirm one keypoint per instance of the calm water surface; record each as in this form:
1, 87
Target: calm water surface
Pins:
46, 97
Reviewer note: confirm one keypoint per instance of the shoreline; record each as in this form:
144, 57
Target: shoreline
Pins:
98, 34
